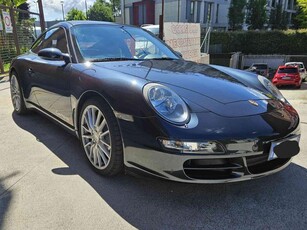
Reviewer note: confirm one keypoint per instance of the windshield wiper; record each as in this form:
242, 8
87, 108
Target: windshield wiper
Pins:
113, 59
163, 58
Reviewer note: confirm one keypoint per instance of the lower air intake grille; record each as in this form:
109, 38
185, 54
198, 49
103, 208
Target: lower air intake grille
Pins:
214, 168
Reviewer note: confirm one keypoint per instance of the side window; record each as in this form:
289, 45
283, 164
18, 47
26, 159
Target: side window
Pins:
54, 38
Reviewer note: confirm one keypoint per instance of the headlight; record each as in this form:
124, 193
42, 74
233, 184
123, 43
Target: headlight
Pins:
166, 103
271, 88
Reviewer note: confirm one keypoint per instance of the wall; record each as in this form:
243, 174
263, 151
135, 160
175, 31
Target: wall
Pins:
184, 38
273, 61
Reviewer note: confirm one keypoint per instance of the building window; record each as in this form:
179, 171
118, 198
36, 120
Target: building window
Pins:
198, 11
217, 13
207, 14
192, 7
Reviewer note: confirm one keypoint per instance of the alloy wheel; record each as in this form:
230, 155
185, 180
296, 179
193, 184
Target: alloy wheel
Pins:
96, 138
15, 93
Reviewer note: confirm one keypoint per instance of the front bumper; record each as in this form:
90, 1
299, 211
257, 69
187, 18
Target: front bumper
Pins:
174, 167
242, 164
247, 141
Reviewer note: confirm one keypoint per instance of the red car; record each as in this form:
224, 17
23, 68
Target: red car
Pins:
287, 75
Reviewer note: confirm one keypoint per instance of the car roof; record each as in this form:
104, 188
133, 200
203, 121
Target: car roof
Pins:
150, 26
288, 67
293, 63
69, 24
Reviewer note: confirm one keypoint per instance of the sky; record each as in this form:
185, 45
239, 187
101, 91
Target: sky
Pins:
53, 8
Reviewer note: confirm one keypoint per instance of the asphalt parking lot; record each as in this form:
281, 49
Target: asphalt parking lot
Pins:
46, 183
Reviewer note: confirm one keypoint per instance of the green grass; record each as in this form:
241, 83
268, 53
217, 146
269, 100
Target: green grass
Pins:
6, 67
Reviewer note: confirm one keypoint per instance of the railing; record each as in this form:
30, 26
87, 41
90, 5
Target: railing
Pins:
20, 38
206, 41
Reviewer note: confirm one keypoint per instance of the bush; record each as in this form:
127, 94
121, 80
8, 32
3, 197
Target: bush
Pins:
262, 42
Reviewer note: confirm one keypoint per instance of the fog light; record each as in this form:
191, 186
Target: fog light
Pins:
208, 147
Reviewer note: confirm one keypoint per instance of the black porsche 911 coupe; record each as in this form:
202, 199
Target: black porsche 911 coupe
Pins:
136, 105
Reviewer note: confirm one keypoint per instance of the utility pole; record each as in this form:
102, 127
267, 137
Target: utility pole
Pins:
62, 3
41, 15
161, 22
86, 10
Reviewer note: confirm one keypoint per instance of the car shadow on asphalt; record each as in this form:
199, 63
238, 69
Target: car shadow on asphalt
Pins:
278, 201
5, 198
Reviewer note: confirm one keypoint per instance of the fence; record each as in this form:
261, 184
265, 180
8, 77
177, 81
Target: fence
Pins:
18, 31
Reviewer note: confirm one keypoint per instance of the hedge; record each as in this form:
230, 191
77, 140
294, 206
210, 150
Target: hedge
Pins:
262, 42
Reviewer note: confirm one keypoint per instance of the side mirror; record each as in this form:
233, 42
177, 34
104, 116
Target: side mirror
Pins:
54, 54
178, 53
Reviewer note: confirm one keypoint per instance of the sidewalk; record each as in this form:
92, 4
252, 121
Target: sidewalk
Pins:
4, 82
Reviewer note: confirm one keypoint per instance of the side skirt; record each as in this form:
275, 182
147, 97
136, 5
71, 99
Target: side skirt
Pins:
67, 127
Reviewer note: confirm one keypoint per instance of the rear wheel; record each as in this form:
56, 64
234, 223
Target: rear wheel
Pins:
16, 95
100, 137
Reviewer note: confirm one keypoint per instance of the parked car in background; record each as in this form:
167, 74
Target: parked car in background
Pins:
287, 75
260, 68
301, 68
151, 28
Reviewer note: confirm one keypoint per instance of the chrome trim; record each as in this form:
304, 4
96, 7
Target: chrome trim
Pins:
73, 45
69, 52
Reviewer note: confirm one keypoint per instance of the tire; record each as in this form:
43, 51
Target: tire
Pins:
100, 137
17, 95
298, 87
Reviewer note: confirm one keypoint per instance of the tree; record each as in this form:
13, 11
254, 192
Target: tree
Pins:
278, 18
236, 14
75, 14
21, 15
300, 19
13, 3
100, 11
115, 7
256, 16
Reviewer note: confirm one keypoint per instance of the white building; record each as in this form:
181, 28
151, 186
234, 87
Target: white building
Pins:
205, 12
214, 12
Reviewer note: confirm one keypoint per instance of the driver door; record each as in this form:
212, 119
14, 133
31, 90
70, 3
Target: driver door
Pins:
51, 78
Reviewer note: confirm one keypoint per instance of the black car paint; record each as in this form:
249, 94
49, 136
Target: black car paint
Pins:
217, 96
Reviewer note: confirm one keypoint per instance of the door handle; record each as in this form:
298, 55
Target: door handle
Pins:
30, 70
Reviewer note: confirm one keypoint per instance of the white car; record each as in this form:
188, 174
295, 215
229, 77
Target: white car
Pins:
152, 28
301, 68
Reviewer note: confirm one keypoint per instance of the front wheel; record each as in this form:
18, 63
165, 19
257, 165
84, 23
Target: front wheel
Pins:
100, 137
16, 95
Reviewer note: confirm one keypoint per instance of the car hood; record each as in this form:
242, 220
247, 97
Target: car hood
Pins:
222, 90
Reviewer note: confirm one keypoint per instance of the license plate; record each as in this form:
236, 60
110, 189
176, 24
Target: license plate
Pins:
286, 78
288, 143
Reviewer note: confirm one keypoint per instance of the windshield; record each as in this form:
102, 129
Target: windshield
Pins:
288, 70
260, 66
294, 64
107, 43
